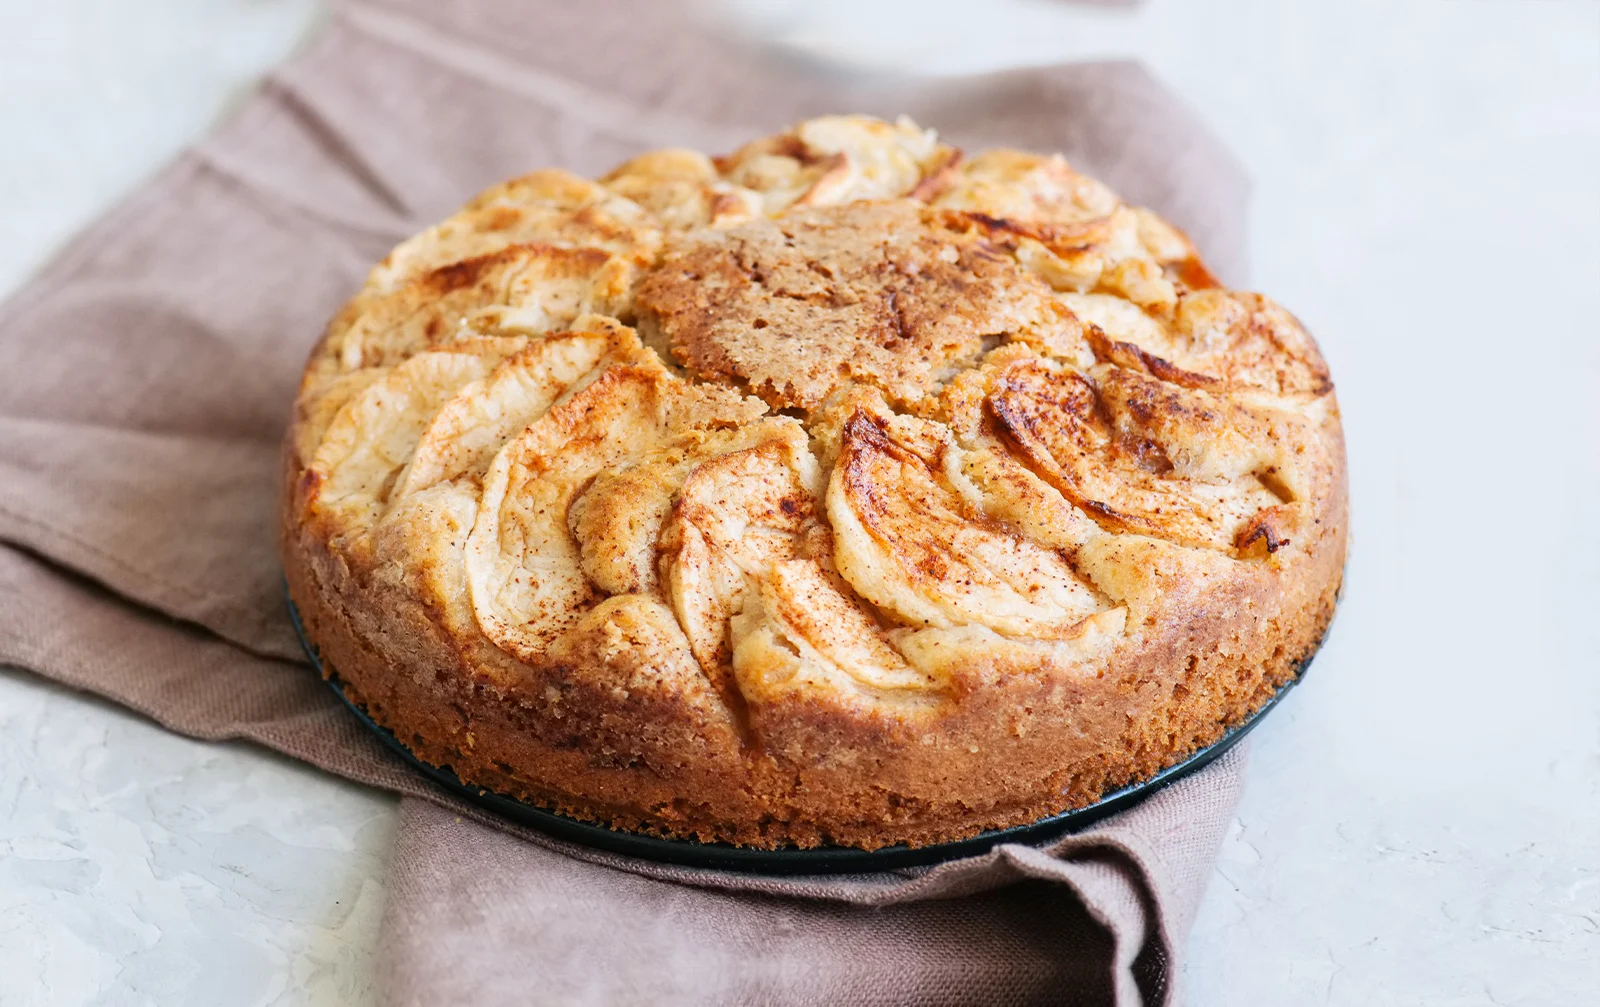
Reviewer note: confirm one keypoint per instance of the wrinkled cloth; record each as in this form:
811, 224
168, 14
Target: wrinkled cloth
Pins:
149, 376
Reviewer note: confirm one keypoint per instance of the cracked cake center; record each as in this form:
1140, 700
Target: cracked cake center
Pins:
895, 295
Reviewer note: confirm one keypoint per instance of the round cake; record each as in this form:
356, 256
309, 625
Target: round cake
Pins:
844, 490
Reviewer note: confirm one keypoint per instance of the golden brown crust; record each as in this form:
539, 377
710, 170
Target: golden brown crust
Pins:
1049, 509
884, 294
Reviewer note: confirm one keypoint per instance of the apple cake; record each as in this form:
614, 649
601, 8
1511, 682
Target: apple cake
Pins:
847, 489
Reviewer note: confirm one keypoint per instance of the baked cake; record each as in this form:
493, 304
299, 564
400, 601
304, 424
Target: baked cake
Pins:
846, 489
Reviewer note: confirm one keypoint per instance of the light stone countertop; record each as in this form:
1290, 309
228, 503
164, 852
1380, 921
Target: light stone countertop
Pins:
1422, 819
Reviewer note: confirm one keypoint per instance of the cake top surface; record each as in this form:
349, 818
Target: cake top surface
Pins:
845, 413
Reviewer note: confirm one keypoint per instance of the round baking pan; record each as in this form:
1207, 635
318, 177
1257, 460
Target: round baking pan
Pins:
820, 860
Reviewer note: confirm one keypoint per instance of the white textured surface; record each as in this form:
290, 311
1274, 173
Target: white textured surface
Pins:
1422, 822
138, 867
